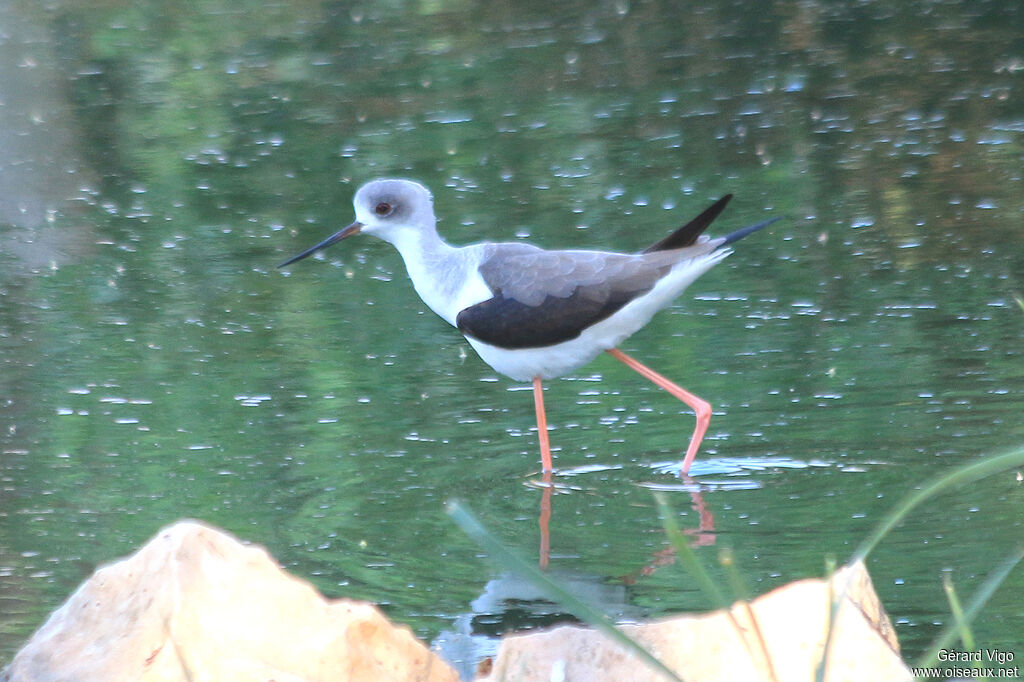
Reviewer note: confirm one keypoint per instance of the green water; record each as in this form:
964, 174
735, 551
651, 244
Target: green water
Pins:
157, 160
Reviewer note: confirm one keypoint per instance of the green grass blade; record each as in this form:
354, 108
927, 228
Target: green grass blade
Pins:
960, 476
709, 587
978, 600
499, 553
965, 474
687, 556
963, 628
727, 560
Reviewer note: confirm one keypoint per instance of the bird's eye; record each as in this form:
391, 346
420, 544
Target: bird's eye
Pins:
382, 209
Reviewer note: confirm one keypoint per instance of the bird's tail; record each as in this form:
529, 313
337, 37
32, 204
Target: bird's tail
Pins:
688, 234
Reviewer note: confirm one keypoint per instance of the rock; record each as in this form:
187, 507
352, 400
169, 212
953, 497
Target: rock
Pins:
779, 636
196, 604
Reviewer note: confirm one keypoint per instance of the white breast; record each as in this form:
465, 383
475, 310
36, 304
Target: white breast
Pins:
447, 279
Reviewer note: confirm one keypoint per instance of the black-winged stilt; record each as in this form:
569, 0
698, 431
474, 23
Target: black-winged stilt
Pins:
535, 314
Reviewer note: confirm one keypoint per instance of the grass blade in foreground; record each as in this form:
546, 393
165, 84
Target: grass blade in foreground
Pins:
963, 628
689, 559
963, 475
498, 552
687, 556
987, 589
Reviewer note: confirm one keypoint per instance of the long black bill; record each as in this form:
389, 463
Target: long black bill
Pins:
336, 237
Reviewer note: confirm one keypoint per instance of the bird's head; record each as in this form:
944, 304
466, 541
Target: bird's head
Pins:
393, 210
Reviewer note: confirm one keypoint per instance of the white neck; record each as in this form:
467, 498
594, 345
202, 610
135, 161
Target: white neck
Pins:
444, 276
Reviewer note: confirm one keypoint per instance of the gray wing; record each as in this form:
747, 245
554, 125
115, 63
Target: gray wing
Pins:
545, 297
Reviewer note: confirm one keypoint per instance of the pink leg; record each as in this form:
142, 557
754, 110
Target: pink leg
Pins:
700, 407
544, 520
542, 425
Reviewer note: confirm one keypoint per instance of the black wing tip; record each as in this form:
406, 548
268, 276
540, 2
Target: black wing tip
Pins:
687, 234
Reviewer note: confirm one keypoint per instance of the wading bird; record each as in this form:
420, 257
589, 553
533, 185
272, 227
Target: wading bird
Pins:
535, 314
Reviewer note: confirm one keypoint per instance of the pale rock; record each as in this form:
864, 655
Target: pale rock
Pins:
779, 636
196, 604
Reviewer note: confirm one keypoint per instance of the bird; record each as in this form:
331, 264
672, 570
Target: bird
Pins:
534, 314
